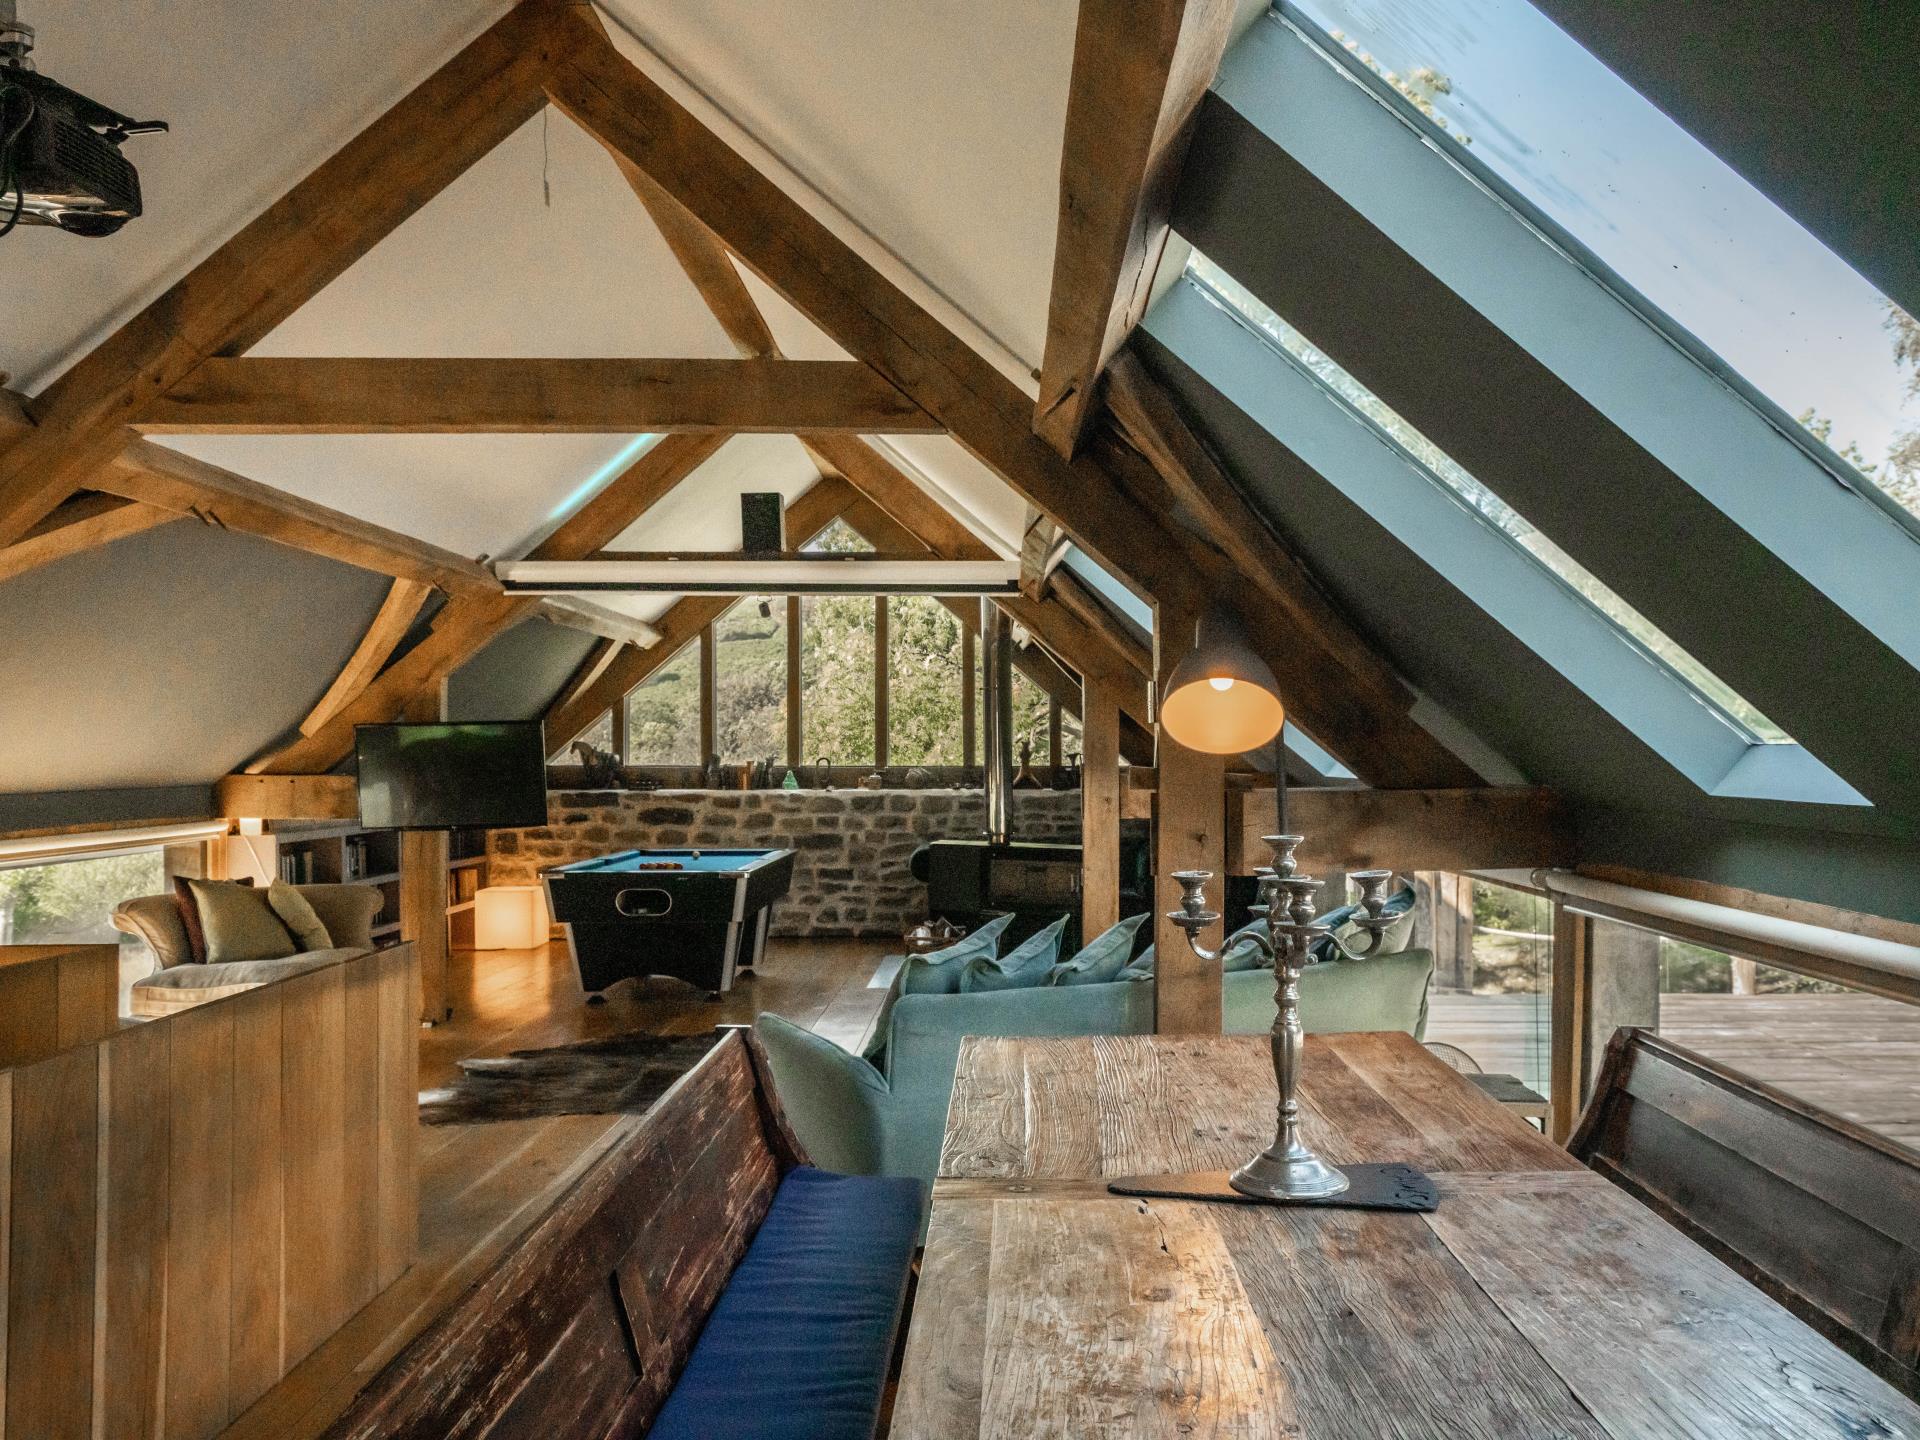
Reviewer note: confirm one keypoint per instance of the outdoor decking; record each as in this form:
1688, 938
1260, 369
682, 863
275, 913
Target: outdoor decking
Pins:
1856, 1055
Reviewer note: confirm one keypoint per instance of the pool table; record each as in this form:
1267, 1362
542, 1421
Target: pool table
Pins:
697, 915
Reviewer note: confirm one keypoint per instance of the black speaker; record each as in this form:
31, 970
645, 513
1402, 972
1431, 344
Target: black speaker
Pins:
763, 523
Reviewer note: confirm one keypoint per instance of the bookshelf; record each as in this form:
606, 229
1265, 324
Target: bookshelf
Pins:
307, 854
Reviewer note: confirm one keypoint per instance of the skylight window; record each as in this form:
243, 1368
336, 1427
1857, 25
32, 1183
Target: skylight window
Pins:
1724, 702
1509, 95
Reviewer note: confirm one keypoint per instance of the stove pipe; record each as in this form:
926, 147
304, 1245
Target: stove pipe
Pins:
996, 653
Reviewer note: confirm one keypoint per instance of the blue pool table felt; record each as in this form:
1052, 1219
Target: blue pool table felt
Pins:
715, 861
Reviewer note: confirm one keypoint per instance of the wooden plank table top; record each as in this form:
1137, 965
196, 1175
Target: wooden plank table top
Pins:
1537, 1301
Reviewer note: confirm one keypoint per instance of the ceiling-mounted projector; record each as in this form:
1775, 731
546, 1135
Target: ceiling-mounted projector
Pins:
60, 160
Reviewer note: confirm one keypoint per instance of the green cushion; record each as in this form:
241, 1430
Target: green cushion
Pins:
838, 1104
296, 912
1393, 940
1027, 964
239, 923
1386, 992
938, 973
1102, 959
1242, 952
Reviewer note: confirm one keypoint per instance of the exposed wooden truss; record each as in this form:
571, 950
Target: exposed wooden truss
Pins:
277, 262
493, 396
81, 523
183, 354
580, 704
1108, 515
465, 625
1041, 548
182, 485
390, 625
707, 265
1140, 68
573, 613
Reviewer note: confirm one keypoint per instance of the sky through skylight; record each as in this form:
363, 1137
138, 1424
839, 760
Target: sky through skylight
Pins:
1656, 206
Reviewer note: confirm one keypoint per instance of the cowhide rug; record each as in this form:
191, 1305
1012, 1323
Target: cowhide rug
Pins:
621, 1075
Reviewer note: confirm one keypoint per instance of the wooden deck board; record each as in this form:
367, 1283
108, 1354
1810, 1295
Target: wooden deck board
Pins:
1854, 1055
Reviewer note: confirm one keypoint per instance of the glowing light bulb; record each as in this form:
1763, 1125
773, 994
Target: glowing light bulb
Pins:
1221, 682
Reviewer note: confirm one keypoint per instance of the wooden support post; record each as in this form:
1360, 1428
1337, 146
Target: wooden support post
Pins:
1623, 988
796, 699
882, 696
709, 735
617, 713
1189, 834
969, 698
1746, 977
1054, 738
1567, 1066
423, 890
1099, 806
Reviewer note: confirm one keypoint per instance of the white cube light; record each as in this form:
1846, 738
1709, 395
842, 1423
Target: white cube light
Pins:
510, 917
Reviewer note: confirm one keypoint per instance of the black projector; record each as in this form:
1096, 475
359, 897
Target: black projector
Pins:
60, 160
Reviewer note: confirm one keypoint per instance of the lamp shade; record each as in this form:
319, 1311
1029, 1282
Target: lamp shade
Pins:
1222, 698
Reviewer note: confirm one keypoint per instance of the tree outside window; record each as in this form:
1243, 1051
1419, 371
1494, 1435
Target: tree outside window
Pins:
750, 680
663, 713
924, 682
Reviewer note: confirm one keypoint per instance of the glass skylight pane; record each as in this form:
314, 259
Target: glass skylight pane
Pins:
1442, 469
1513, 92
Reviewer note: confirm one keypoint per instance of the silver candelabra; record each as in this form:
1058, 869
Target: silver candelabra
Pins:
1287, 1169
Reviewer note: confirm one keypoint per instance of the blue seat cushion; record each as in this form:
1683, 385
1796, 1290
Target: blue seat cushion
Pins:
800, 1340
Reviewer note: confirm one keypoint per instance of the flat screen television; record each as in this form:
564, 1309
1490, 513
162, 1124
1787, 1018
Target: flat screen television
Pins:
443, 777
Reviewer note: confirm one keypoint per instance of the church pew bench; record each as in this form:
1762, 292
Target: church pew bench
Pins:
1821, 1214
701, 1278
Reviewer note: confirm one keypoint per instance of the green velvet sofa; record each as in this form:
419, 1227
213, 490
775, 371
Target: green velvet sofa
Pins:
888, 1118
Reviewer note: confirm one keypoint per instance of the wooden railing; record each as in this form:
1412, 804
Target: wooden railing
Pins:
190, 1205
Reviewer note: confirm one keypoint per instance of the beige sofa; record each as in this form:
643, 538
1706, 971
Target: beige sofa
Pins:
347, 911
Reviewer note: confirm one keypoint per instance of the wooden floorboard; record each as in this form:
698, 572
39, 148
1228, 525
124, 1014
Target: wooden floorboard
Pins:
483, 1185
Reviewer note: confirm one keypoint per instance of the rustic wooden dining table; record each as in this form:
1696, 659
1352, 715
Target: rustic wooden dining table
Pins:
1537, 1300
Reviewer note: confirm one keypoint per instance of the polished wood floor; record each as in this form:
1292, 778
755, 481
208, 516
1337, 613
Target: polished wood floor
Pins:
482, 1185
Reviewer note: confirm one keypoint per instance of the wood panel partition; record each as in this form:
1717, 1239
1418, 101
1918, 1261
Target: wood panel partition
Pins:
192, 1204
53, 997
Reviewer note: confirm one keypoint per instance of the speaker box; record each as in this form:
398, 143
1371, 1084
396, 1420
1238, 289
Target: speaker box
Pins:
763, 524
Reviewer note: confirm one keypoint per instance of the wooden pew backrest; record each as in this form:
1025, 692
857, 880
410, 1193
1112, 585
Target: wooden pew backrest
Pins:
581, 1328
1821, 1214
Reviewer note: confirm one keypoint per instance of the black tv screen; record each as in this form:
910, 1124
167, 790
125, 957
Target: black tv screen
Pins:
439, 777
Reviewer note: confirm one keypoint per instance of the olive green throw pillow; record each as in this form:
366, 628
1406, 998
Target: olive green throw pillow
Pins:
239, 923
308, 930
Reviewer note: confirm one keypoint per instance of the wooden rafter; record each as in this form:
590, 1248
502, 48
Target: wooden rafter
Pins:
578, 706
505, 396
83, 523
277, 262
870, 317
182, 485
1140, 68
390, 625
707, 265
1040, 549
465, 625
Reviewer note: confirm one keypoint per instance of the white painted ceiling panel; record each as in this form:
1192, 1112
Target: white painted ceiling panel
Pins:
937, 126
257, 95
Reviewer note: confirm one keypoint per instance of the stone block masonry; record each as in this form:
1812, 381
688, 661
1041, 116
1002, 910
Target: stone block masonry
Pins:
851, 846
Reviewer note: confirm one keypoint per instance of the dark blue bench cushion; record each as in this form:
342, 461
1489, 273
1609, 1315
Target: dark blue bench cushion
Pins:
799, 1343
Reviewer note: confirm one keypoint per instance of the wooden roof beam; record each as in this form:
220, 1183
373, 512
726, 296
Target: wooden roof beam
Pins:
178, 485
707, 265
529, 396
574, 711
869, 316
465, 625
82, 523
1140, 69
277, 262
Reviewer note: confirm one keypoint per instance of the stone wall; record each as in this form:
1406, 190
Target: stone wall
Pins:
852, 846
